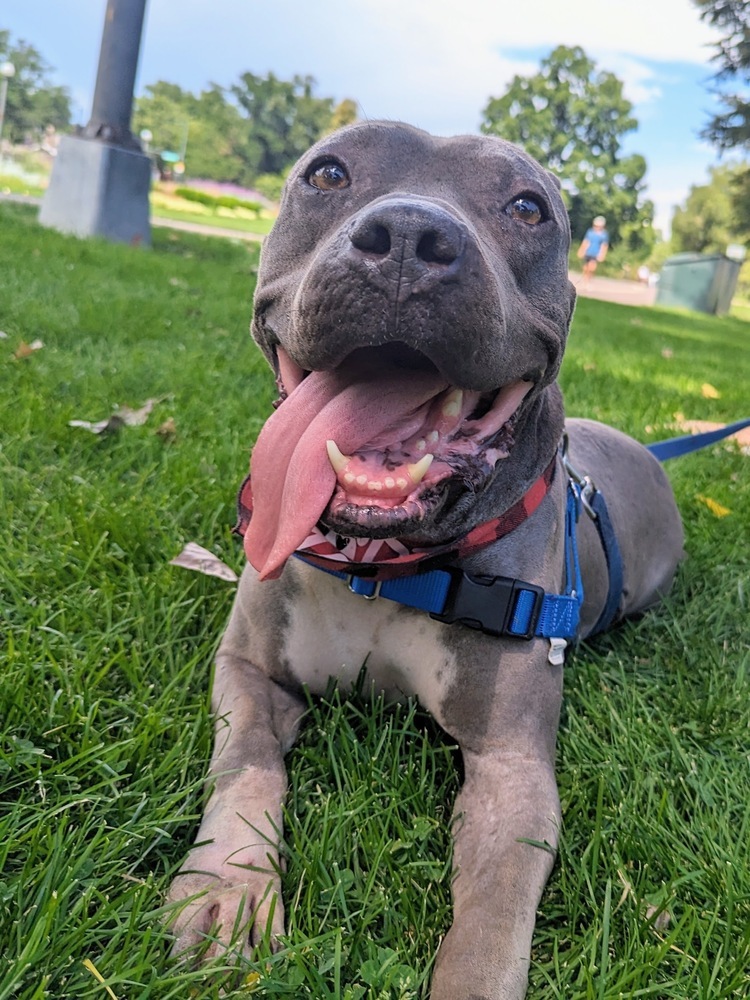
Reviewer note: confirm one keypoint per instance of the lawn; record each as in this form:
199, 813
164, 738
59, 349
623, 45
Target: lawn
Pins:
107, 650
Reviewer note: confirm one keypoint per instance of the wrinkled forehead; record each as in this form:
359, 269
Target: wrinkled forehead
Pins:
411, 159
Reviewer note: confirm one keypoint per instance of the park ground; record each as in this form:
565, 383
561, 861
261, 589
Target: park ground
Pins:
108, 647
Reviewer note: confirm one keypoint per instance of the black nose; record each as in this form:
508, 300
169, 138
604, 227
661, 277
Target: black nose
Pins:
403, 231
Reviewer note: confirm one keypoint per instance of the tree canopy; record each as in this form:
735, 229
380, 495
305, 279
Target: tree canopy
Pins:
32, 103
730, 128
708, 220
572, 118
260, 125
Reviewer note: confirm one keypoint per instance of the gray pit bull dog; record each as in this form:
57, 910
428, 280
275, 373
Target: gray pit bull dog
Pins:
414, 302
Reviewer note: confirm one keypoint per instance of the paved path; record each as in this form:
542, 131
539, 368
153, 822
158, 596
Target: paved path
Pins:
627, 293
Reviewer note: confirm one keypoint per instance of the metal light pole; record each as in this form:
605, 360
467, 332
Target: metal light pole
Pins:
7, 71
115, 78
101, 178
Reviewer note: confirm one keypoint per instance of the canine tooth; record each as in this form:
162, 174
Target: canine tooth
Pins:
418, 470
337, 459
452, 405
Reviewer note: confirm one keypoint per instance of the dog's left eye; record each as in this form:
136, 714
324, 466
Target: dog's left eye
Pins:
328, 176
526, 210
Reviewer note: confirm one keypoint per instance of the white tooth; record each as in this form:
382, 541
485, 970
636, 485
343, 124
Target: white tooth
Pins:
421, 444
402, 483
349, 477
418, 470
433, 436
453, 403
338, 461
389, 482
361, 480
374, 486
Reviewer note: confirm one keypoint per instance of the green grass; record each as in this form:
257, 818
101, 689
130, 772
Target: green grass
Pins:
259, 226
10, 184
107, 651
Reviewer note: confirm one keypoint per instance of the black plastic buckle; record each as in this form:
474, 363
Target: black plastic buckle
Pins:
487, 603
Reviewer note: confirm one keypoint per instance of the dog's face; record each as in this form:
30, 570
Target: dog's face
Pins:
413, 300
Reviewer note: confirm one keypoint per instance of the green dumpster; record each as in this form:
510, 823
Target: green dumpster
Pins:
698, 281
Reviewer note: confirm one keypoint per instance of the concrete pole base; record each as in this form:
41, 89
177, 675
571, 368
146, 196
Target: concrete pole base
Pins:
99, 190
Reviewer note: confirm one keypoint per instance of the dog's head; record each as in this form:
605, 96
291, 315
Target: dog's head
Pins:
413, 300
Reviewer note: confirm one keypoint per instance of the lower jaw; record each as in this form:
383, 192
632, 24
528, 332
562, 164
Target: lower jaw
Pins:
373, 521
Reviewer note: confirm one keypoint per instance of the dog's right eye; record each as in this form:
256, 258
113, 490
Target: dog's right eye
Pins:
526, 209
328, 176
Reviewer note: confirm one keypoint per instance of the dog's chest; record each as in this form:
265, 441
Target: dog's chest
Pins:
333, 632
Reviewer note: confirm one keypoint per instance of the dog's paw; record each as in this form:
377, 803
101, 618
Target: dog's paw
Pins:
213, 914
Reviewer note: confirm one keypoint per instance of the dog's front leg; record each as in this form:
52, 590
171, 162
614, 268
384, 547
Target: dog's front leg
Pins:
229, 887
507, 816
507, 821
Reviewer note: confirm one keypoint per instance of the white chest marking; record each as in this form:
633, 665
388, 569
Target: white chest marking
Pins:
335, 633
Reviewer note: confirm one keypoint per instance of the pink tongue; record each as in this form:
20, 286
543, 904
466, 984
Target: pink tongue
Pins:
292, 477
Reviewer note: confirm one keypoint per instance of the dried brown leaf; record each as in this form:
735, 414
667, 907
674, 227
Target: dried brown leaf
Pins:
168, 429
659, 918
113, 423
25, 350
134, 418
122, 417
195, 557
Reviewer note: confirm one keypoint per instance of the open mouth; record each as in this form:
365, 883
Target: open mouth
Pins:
371, 449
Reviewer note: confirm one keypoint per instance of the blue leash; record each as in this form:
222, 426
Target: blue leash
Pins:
675, 447
503, 606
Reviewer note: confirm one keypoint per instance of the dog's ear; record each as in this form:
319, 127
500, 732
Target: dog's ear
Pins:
556, 179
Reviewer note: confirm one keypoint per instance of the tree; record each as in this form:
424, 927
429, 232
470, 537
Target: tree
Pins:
257, 127
708, 221
572, 119
206, 129
345, 113
283, 117
33, 103
730, 128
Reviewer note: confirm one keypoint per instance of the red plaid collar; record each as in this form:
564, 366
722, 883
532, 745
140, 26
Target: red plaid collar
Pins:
388, 558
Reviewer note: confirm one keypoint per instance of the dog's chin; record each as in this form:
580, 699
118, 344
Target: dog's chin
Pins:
358, 518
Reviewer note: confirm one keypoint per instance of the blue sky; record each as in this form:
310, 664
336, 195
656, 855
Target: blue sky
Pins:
433, 63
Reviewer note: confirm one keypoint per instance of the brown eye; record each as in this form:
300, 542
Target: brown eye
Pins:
526, 210
328, 176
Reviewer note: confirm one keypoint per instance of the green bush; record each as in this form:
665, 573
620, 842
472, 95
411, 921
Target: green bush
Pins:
217, 201
270, 185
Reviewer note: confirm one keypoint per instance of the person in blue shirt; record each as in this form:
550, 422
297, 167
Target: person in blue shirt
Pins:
593, 248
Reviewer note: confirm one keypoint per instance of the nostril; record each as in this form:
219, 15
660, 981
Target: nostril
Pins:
372, 238
436, 247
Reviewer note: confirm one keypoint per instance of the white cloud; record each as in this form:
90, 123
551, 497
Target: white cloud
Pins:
432, 62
